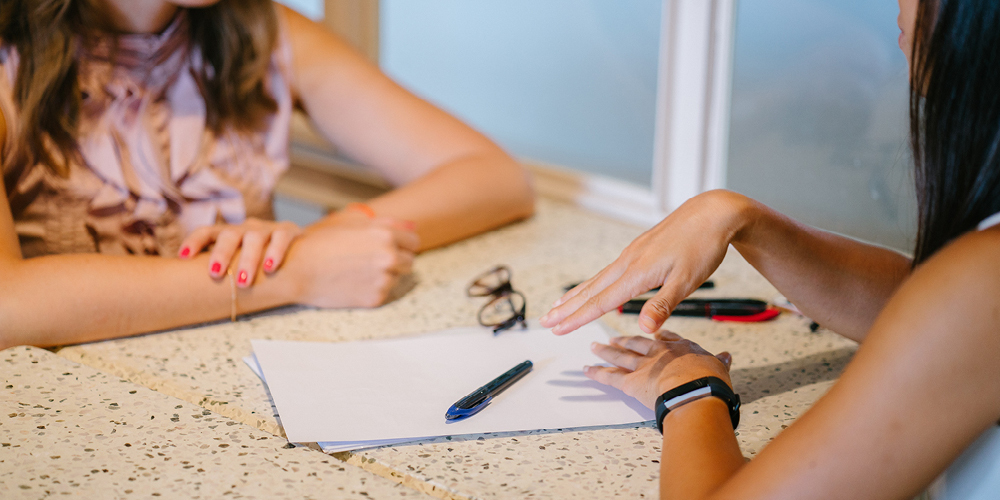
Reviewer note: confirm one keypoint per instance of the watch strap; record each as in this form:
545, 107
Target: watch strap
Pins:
693, 391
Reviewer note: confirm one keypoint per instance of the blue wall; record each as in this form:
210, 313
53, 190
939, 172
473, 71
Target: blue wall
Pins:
568, 82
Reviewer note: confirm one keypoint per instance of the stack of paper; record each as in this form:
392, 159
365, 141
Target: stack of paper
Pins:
352, 395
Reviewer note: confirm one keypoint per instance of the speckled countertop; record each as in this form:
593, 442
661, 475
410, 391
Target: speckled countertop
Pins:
779, 367
68, 429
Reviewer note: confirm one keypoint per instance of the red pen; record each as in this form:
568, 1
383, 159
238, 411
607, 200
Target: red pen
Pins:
740, 310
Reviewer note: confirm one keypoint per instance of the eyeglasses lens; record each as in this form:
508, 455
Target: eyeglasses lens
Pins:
490, 282
502, 309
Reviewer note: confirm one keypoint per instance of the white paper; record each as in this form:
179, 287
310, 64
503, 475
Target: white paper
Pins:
378, 392
332, 446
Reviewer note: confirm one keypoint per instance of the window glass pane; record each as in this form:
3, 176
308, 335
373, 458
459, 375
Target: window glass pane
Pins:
313, 9
819, 116
566, 82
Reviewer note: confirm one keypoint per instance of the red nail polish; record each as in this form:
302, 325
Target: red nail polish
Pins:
242, 278
216, 268
185, 252
268, 264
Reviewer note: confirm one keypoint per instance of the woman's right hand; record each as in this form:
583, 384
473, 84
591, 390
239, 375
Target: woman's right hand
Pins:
353, 263
677, 255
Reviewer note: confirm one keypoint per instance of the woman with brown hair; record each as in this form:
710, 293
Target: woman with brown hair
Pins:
136, 130
922, 394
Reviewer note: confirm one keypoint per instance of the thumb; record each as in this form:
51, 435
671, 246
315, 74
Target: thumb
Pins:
726, 358
657, 309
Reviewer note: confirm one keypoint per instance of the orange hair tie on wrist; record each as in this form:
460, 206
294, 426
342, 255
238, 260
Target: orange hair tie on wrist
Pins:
362, 208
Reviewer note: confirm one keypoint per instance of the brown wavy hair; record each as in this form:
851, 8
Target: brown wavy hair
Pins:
235, 37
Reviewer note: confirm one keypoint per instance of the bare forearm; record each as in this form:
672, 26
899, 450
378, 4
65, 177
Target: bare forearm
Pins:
700, 451
461, 198
841, 283
65, 299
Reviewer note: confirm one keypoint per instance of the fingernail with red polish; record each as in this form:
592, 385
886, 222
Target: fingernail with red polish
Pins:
185, 252
216, 268
242, 278
268, 264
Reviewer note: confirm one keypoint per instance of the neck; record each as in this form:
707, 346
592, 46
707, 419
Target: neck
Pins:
138, 16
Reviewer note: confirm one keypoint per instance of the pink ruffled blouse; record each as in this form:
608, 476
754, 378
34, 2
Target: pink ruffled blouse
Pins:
151, 172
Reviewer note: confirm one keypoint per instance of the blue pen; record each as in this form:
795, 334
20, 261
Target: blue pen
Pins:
480, 398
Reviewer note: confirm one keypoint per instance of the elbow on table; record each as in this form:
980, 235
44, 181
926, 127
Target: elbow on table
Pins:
520, 194
11, 307
7, 335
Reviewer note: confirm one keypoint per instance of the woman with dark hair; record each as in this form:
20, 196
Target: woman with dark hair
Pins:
132, 131
923, 390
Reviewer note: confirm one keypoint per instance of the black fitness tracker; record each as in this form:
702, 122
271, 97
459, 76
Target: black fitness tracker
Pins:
693, 391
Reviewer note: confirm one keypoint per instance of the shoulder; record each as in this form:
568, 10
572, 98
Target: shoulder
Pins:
960, 282
317, 55
309, 35
975, 252
294, 27
292, 21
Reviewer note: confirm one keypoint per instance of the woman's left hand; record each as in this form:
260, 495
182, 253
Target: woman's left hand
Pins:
260, 243
646, 368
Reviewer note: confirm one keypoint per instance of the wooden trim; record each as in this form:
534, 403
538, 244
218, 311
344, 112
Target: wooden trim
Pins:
693, 88
357, 21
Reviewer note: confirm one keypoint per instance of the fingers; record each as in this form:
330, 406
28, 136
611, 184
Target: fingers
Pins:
226, 243
281, 239
403, 232
578, 296
573, 292
608, 299
607, 375
405, 265
726, 358
406, 240
197, 241
399, 263
667, 335
638, 344
658, 309
619, 356
252, 248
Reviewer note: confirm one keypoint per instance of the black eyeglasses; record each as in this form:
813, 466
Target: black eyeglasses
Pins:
507, 306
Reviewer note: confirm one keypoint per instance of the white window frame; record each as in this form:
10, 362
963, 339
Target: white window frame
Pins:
693, 99
694, 86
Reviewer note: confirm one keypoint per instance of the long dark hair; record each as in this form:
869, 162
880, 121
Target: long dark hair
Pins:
955, 118
235, 37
